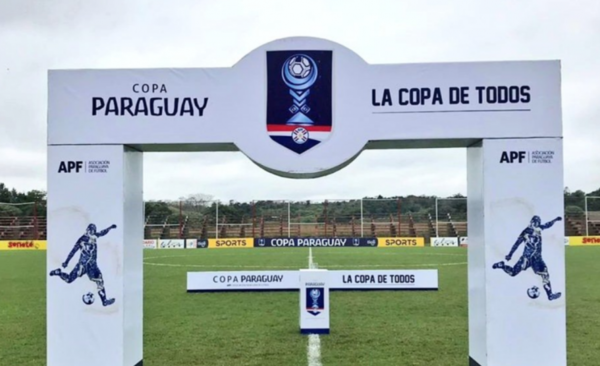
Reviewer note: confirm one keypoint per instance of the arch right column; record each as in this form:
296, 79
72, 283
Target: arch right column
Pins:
516, 254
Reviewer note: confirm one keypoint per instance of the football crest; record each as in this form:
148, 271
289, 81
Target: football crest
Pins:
299, 110
315, 300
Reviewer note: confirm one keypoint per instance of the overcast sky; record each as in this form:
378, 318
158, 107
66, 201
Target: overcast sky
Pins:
39, 35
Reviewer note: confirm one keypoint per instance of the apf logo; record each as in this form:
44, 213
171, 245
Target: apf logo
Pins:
299, 100
70, 166
529, 157
513, 156
91, 166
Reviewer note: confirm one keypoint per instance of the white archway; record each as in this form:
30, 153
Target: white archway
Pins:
304, 108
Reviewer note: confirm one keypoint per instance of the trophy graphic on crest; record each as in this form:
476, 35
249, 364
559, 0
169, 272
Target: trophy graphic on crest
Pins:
314, 295
299, 72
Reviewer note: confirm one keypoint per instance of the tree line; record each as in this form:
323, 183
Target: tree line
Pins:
22, 203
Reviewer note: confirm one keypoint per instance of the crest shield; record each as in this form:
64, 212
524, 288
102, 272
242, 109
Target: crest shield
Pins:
299, 100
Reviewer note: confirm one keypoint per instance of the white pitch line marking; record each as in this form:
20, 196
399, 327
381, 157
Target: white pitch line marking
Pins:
314, 350
387, 253
165, 256
314, 342
217, 266
345, 266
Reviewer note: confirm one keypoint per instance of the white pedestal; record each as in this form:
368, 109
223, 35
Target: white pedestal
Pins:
314, 301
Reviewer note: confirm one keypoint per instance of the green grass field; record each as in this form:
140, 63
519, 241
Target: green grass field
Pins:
368, 328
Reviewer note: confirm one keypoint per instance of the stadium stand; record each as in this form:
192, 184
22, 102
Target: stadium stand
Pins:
26, 227
575, 224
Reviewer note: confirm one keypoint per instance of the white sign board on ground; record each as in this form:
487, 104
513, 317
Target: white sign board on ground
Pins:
444, 242
314, 301
422, 279
242, 281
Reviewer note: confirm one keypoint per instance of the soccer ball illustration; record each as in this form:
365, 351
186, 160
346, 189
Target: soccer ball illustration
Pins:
299, 66
533, 292
88, 298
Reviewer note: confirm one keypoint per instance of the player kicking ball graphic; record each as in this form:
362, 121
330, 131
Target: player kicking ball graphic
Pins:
88, 244
532, 254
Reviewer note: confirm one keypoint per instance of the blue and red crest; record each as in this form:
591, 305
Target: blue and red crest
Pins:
315, 300
299, 101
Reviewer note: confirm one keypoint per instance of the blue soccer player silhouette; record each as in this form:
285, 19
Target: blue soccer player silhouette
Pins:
532, 254
87, 264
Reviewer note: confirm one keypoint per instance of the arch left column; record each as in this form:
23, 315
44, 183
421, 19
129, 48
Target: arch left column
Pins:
95, 236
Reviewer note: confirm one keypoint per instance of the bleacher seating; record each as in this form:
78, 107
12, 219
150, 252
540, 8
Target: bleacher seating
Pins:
22, 228
574, 225
25, 228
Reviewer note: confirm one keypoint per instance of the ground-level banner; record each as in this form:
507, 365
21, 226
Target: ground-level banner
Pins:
292, 242
243, 281
149, 243
400, 242
22, 244
444, 242
423, 279
314, 242
584, 240
172, 244
231, 243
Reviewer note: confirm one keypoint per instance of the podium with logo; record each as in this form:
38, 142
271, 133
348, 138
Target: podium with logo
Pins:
314, 301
